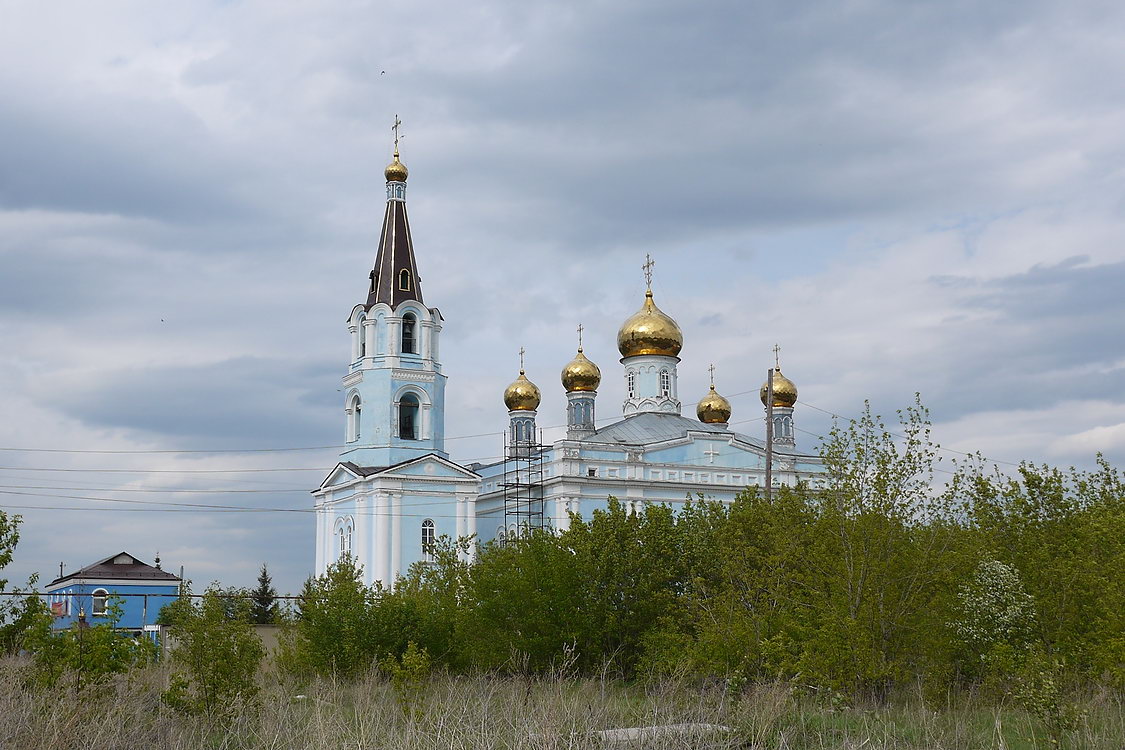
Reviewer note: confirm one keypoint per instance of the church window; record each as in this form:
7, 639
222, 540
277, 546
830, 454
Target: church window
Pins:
408, 417
631, 383
665, 383
362, 338
404, 280
98, 607
409, 333
429, 536
354, 423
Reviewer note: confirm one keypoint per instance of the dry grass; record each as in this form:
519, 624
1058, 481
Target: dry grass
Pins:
505, 712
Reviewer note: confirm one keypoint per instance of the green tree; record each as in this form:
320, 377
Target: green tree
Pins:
264, 609
18, 615
215, 656
90, 654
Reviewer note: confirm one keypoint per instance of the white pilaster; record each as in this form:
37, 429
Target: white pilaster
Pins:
471, 530
319, 540
381, 547
396, 538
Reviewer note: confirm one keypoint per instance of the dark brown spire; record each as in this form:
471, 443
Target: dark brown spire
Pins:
395, 276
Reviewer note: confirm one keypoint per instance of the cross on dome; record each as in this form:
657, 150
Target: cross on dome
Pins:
711, 369
648, 264
394, 128
777, 356
580, 337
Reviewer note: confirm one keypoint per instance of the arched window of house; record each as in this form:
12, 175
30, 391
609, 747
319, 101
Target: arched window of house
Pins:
98, 606
665, 383
362, 337
404, 280
408, 417
409, 333
429, 536
631, 383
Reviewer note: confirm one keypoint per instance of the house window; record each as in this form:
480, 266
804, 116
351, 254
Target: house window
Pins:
429, 536
409, 331
631, 383
665, 383
408, 417
98, 608
404, 280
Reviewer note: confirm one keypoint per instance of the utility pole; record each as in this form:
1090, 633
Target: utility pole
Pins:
769, 434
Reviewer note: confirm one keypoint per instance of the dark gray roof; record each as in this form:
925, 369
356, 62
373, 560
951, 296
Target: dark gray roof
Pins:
396, 256
656, 427
129, 567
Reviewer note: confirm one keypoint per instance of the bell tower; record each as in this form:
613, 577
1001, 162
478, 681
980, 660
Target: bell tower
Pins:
394, 390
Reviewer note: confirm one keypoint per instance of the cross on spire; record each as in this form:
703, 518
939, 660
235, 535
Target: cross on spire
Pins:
579, 337
777, 357
649, 263
711, 369
521, 360
395, 127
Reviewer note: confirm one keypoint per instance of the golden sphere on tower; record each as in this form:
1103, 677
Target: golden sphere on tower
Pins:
784, 390
581, 374
396, 171
522, 395
650, 331
713, 408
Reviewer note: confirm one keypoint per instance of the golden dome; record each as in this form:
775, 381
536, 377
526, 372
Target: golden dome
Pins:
713, 408
784, 390
396, 171
581, 374
649, 331
522, 395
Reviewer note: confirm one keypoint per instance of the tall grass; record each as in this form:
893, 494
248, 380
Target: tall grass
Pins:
491, 711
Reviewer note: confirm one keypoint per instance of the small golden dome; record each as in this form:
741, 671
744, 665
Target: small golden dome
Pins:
522, 395
649, 331
784, 390
396, 171
713, 408
581, 374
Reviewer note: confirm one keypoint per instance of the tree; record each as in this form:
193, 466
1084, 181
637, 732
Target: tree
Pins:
263, 610
215, 656
17, 615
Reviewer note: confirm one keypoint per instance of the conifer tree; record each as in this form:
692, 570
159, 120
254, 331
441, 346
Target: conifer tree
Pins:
263, 610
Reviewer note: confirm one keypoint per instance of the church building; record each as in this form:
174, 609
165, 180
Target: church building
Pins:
396, 490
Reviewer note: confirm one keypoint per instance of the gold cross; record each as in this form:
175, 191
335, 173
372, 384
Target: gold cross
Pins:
648, 270
711, 369
579, 337
395, 127
777, 357
521, 359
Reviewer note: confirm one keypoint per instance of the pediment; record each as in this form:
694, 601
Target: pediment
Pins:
430, 466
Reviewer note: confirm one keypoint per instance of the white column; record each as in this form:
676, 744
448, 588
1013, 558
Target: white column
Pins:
361, 538
319, 541
435, 354
562, 518
471, 527
427, 347
379, 543
461, 520
394, 340
355, 342
396, 536
369, 336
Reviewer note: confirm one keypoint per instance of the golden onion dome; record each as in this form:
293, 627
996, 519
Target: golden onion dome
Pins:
713, 408
522, 395
396, 171
581, 374
650, 331
784, 390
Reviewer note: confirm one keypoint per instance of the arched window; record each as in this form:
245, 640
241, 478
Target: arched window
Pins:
665, 383
408, 417
98, 607
409, 333
631, 383
404, 280
362, 338
429, 536
355, 424
344, 530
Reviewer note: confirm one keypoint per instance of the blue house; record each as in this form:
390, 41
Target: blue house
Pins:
85, 595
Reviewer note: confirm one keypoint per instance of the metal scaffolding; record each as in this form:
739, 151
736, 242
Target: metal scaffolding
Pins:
523, 487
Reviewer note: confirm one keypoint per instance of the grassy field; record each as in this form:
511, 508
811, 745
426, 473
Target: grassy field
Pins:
509, 712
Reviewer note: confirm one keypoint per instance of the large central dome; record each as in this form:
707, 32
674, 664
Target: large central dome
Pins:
649, 331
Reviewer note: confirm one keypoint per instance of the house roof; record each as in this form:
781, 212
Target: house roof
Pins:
119, 566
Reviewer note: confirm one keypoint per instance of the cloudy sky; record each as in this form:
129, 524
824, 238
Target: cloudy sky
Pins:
905, 196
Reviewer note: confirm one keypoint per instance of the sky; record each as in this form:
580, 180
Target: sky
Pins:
905, 196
